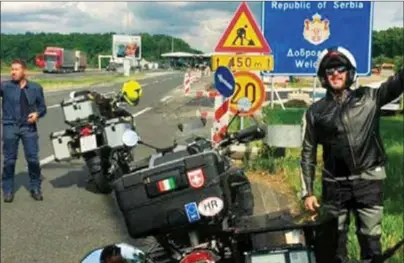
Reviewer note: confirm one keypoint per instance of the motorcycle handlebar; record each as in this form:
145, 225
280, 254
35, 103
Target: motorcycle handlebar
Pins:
246, 135
252, 133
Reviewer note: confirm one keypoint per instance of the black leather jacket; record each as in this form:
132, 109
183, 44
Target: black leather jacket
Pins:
348, 131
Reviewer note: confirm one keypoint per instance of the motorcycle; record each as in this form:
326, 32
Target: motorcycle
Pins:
96, 127
209, 218
218, 194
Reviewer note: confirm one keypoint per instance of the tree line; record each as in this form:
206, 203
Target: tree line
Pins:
27, 46
387, 45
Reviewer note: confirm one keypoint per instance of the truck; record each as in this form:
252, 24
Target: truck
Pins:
60, 60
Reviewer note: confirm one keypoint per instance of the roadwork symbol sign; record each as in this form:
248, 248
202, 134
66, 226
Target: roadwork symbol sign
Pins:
243, 34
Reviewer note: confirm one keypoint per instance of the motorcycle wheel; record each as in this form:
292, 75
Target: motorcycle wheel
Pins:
98, 179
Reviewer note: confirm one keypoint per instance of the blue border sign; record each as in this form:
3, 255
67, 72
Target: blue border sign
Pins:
298, 31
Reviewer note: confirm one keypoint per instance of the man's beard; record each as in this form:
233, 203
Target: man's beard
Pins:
19, 80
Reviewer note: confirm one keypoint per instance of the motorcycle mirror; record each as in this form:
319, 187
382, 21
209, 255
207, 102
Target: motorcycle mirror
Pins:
125, 251
130, 138
244, 104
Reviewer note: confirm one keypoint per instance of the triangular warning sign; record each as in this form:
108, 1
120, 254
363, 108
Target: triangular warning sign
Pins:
243, 35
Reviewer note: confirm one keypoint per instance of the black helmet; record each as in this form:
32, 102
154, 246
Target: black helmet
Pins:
332, 57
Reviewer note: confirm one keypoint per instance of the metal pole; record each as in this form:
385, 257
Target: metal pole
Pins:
241, 123
172, 44
272, 92
314, 88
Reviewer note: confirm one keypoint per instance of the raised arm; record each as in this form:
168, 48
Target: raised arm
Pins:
40, 103
390, 89
309, 153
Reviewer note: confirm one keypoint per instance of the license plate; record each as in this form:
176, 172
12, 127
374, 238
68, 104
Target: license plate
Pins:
88, 143
275, 258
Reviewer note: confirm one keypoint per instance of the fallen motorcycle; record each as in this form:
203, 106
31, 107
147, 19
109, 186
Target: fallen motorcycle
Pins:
187, 197
199, 209
97, 124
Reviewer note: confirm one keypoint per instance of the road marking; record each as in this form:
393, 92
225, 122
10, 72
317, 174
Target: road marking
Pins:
53, 106
47, 160
141, 112
166, 98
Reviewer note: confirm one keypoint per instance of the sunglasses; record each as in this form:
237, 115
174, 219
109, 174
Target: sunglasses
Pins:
331, 71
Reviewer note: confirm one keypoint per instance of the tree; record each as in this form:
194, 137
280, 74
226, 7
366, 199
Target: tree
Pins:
28, 45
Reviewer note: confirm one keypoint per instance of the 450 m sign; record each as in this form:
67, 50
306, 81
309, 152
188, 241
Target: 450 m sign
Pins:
248, 85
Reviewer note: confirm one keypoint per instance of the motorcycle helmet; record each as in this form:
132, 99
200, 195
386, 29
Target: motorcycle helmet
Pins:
131, 92
335, 57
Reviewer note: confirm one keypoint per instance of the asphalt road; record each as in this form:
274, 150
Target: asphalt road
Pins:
72, 221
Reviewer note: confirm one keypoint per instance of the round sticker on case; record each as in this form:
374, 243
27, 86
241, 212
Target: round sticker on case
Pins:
210, 206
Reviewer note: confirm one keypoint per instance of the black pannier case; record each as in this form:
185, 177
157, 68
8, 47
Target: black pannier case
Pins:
148, 211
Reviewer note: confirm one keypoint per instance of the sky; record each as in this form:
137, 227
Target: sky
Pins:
201, 24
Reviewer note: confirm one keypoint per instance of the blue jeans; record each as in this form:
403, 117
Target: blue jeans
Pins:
11, 138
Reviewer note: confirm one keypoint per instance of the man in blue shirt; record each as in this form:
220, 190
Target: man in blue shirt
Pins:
23, 104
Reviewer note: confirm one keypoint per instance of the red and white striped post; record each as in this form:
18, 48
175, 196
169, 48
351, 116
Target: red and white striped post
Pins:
220, 115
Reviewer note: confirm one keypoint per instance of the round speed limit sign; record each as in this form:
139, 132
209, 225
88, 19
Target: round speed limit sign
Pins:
248, 85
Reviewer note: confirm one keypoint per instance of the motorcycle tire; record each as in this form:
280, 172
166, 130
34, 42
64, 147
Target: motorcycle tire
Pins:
97, 176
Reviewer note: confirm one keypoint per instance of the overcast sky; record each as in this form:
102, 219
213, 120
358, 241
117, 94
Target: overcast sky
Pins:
199, 23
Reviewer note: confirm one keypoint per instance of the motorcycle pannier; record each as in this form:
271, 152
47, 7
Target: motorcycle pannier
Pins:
61, 142
113, 131
79, 109
173, 194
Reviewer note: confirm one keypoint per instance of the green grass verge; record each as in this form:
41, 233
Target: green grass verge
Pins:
392, 129
84, 81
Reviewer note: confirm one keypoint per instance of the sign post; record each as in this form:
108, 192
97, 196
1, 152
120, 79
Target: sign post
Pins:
242, 38
312, 27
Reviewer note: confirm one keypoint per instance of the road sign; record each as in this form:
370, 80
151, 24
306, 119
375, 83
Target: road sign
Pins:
248, 85
224, 81
243, 62
243, 34
299, 31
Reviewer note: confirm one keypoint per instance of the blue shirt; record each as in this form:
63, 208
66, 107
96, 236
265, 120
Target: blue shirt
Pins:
13, 111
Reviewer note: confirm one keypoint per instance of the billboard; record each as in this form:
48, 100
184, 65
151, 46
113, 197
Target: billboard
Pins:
126, 46
298, 31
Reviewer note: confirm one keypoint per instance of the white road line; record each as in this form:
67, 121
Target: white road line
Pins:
166, 98
47, 160
141, 112
53, 106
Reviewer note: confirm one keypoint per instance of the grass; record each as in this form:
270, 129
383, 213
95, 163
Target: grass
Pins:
392, 130
53, 84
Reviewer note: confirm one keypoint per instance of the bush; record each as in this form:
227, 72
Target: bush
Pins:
280, 116
398, 63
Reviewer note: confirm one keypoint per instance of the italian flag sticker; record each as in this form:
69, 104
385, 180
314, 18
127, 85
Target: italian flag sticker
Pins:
166, 185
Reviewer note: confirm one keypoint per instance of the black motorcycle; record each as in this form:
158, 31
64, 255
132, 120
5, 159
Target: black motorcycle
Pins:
97, 124
188, 196
199, 209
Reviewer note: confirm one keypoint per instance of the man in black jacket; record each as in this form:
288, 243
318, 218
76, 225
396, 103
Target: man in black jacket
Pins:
346, 124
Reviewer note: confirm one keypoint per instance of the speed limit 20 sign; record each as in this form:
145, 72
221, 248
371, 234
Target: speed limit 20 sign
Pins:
247, 85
